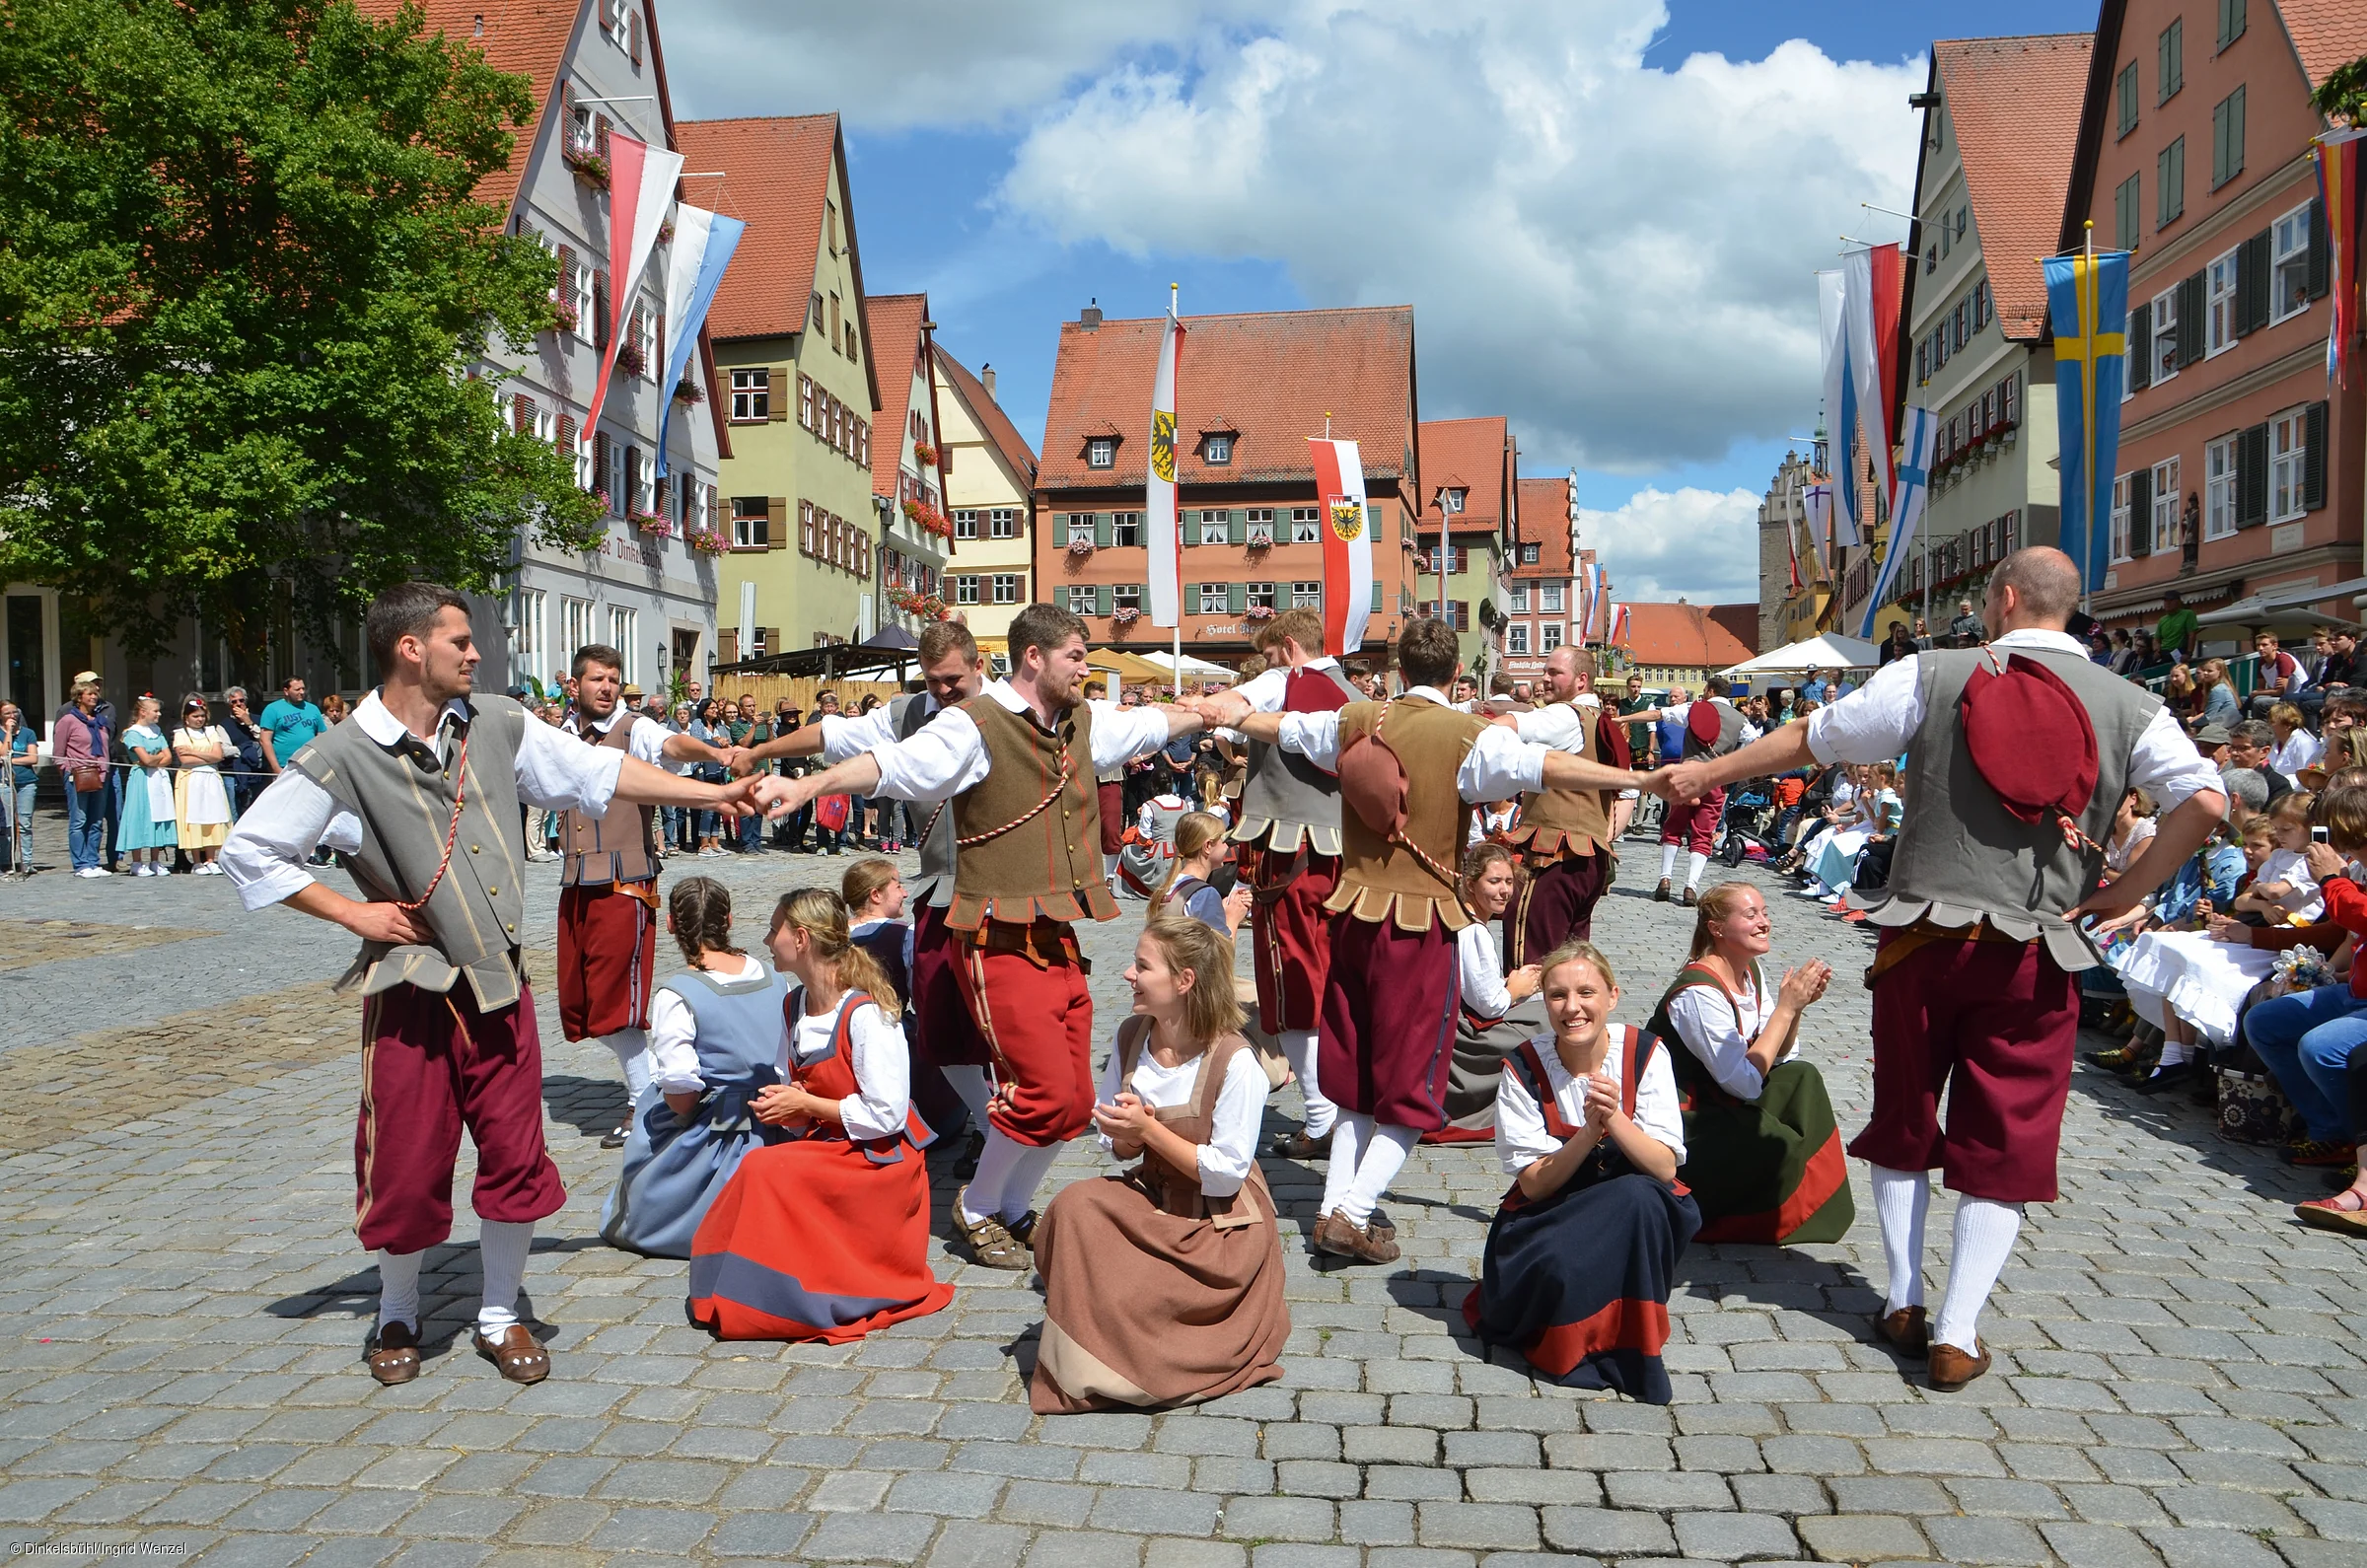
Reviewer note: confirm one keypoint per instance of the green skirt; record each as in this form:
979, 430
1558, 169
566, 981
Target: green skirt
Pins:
1770, 1169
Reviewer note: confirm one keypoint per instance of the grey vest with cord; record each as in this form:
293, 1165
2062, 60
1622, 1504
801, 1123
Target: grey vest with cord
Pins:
403, 796
1962, 860
1286, 802
907, 715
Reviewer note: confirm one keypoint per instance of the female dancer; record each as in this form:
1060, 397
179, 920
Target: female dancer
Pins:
1499, 1009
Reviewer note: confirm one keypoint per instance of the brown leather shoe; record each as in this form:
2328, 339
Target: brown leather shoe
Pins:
392, 1353
516, 1353
1906, 1330
1690, 898
1336, 1235
1298, 1146
1380, 1227
1952, 1369
1661, 893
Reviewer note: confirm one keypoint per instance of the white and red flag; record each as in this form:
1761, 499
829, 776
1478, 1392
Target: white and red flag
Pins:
1347, 543
1164, 538
641, 180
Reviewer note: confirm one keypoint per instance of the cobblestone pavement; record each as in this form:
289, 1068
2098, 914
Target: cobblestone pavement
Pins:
2179, 1378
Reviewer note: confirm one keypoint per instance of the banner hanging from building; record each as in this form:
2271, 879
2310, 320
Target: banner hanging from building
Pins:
1347, 543
641, 180
1840, 406
2087, 303
1618, 625
1164, 536
1816, 503
2342, 196
1870, 303
703, 242
1920, 438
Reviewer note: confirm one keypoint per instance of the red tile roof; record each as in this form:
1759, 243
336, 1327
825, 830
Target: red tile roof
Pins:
895, 355
524, 37
1545, 523
1270, 375
2326, 33
989, 417
776, 178
2014, 104
1474, 455
1711, 637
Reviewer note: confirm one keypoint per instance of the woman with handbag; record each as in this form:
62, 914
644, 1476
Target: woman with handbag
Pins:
80, 740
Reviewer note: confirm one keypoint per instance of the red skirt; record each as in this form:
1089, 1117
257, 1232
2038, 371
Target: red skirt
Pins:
815, 1240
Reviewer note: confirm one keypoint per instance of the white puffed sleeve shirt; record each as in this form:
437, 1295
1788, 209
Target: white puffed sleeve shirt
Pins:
883, 1065
1499, 766
948, 755
1521, 1136
1232, 1146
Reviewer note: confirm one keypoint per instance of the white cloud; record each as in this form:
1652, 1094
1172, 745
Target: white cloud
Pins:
1659, 546
1618, 257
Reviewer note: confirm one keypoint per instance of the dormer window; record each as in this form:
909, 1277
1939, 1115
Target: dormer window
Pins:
1452, 499
1101, 452
1217, 447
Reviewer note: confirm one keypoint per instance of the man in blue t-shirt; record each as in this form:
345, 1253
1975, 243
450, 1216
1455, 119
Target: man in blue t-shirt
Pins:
1671, 731
290, 721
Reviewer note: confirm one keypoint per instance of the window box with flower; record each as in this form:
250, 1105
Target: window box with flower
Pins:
631, 360
666, 232
926, 606
563, 317
588, 166
657, 525
924, 454
1258, 612
689, 392
928, 519
707, 541
1124, 615
1080, 547
1261, 539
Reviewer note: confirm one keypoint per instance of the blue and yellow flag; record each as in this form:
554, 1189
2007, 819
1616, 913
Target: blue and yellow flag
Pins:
2087, 302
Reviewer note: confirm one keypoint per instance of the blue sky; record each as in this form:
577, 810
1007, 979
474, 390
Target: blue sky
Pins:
1606, 234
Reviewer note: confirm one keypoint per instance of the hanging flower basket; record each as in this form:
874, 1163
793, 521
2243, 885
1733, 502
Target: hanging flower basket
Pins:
1124, 615
707, 541
654, 524
1080, 548
924, 454
602, 496
631, 361
689, 392
563, 317
1258, 612
926, 607
587, 166
1260, 539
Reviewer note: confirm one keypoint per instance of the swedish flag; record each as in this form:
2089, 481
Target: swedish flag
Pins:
2087, 303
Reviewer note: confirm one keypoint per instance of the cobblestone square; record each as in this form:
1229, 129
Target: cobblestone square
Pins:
2178, 1382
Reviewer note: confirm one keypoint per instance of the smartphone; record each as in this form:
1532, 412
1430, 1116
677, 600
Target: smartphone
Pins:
2318, 834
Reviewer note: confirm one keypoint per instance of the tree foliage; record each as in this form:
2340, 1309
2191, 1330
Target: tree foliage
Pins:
242, 278
2342, 96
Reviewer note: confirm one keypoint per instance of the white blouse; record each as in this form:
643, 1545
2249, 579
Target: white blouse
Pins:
1483, 990
1521, 1136
882, 1066
1701, 1017
2300, 750
674, 1035
1232, 1146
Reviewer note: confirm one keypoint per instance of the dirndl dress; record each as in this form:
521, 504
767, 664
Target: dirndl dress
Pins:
1155, 1293
147, 821
1768, 1170
819, 1237
1578, 1281
676, 1166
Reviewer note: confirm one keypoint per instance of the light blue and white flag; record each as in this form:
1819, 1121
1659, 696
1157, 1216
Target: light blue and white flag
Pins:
1913, 483
703, 242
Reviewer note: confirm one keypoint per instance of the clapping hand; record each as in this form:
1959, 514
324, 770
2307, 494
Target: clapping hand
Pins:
1601, 1104
1237, 904
1125, 1122
1805, 984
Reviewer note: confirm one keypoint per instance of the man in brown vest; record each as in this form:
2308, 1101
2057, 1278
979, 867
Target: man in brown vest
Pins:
1563, 836
1016, 764
608, 881
420, 789
1390, 997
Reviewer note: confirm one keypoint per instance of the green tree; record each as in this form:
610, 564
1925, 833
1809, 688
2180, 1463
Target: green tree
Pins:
242, 275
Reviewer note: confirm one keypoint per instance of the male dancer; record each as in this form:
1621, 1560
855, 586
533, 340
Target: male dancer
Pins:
1564, 836
1392, 989
1711, 725
1017, 765
1974, 982
1289, 838
608, 881
420, 789
952, 671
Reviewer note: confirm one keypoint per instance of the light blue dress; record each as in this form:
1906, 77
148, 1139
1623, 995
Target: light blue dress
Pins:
674, 1166
1837, 864
144, 789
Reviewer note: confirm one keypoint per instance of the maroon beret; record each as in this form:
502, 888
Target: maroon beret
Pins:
2031, 739
1701, 721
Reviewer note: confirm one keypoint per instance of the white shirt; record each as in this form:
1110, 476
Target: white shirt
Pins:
2120, 856
1483, 990
882, 1066
1879, 720
1521, 1136
842, 737
1704, 1022
646, 739
948, 755
267, 852
1499, 766
1232, 1146
1267, 689
673, 1032
2292, 867
1555, 724
2301, 749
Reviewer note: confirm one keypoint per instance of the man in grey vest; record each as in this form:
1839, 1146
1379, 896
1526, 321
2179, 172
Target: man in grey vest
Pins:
1974, 982
935, 1015
420, 789
608, 881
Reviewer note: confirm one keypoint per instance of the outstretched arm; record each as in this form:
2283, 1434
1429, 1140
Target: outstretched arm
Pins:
857, 775
1778, 752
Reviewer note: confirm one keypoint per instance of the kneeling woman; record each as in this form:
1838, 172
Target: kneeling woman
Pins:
827, 1236
1163, 1285
1499, 1011
1766, 1163
1583, 1251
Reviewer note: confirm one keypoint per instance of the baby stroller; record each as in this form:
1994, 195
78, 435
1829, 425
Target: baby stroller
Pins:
1746, 826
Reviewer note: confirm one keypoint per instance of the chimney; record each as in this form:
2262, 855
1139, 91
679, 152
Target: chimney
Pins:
986, 377
1089, 318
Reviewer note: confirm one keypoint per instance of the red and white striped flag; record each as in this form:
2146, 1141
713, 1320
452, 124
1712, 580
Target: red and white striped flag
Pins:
1166, 536
641, 180
1347, 543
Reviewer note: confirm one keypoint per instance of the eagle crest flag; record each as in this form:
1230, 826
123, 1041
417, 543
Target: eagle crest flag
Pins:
1164, 537
1347, 543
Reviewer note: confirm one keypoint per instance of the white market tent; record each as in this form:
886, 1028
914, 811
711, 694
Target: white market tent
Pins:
1194, 668
1832, 651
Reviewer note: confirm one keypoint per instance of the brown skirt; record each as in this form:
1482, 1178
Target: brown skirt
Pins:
1144, 1310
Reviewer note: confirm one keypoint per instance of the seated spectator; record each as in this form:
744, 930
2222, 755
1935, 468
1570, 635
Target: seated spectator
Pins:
2307, 1039
2179, 692
2185, 990
1201, 850
2344, 740
2215, 694
714, 1044
2281, 676
2340, 667
2295, 747
1499, 1009
1764, 1151
2132, 825
2282, 890
1163, 1286
2249, 745
1876, 815
1582, 1254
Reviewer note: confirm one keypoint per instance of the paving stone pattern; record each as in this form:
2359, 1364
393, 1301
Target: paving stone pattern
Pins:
2178, 1381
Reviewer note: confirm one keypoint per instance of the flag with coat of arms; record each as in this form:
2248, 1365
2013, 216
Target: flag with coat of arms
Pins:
1347, 543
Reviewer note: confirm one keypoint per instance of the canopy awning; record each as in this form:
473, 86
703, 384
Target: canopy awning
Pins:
2289, 605
1832, 651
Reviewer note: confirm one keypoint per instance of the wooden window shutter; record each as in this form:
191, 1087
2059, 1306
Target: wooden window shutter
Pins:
566, 269
1237, 597
2312, 457
773, 639
776, 405
632, 35
2013, 401
1100, 599
2191, 307
2141, 513
599, 134
2141, 347
2320, 262
2251, 477
1105, 530
1236, 526
599, 309
2251, 284
727, 645
1376, 596
599, 463
776, 521
522, 414
566, 433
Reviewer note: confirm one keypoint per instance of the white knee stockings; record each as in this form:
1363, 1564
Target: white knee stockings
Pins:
1984, 1240
1009, 1173
970, 1083
1901, 1201
1365, 1159
1299, 1045
631, 1046
501, 1249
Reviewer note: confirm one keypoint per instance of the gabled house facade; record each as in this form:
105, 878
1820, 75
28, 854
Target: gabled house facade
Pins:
1540, 593
907, 464
989, 483
799, 388
1253, 388
1469, 470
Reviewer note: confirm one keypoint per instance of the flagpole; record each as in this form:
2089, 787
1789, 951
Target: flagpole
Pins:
2086, 431
1172, 295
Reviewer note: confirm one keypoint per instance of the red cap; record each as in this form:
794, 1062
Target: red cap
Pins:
2030, 738
1701, 721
